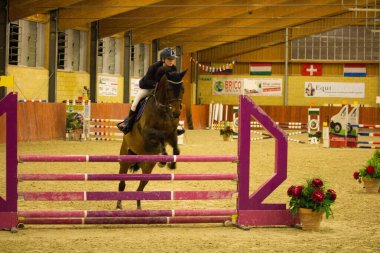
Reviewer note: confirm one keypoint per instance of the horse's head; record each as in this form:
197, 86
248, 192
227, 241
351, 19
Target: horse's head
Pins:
169, 92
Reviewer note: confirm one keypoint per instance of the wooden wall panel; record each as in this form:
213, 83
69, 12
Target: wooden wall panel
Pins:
47, 121
41, 121
367, 115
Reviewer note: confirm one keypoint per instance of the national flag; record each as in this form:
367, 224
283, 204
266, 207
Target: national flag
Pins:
311, 69
260, 69
7, 81
354, 69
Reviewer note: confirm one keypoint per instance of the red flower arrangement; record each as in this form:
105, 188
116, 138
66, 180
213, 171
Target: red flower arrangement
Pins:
312, 196
371, 169
227, 131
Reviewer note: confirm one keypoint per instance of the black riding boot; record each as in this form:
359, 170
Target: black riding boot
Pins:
127, 124
180, 131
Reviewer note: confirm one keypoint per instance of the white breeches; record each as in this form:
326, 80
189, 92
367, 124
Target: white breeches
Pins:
140, 95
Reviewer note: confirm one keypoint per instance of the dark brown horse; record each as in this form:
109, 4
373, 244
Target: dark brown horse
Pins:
156, 128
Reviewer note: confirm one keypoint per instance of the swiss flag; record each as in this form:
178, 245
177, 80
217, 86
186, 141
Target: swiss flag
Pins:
311, 69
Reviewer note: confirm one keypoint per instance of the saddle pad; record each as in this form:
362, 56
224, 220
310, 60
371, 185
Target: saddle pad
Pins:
141, 107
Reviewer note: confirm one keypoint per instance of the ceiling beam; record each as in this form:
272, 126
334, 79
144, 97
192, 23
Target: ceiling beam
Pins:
252, 28
91, 10
149, 33
29, 8
147, 16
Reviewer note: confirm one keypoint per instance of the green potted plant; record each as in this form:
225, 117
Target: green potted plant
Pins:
369, 174
310, 202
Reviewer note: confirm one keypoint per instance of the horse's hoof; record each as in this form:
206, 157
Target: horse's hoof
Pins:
172, 166
161, 165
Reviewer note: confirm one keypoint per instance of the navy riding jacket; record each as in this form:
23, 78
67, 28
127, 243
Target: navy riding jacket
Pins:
152, 77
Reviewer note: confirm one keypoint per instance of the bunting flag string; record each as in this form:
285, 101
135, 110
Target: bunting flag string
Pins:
213, 69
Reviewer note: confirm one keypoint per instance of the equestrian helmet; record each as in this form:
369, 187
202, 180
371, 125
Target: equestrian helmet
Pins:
168, 53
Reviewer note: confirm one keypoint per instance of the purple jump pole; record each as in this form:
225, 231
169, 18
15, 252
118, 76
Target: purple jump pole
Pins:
124, 213
127, 158
157, 195
129, 220
109, 177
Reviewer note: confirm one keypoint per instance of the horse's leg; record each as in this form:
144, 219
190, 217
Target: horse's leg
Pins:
146, 169
123, 170
162, 164
174, 143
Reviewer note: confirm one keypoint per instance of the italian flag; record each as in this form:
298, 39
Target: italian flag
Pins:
260, 69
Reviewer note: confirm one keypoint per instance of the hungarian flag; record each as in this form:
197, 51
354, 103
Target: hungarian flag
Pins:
311, 69
260, 69
352, 69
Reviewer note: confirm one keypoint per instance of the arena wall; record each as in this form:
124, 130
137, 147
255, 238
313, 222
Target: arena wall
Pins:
47, 121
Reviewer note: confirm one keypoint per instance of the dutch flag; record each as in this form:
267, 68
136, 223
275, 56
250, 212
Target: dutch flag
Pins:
350, 69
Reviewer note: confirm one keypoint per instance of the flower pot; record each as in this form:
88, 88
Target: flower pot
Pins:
310, 220
227, 137
371, 185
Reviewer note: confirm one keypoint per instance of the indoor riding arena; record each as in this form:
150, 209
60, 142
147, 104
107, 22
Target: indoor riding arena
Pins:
258, 127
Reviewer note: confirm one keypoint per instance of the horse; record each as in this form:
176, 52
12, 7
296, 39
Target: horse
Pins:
156, 128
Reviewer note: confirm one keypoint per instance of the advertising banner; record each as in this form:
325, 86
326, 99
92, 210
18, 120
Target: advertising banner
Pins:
334, 89
263, 86
107, 86
227, 86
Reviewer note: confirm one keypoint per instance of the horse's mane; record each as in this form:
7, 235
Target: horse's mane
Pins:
171, 75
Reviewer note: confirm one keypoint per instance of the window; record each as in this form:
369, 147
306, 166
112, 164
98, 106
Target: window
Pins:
139, 60
109, 55
61, 50
72, 45
346, 43
26, 43
14, 33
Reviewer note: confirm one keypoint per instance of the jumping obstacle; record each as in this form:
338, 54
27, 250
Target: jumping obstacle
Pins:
367, 144
79, 111
345, 130
250, 210
104, 130
215, 117
32, 100
283, 125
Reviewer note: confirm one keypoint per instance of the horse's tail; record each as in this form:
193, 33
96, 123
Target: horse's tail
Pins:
135, 167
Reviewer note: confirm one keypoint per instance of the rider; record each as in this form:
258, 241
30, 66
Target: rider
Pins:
147, 85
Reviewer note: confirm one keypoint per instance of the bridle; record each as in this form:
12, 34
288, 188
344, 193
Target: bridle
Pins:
166, 107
